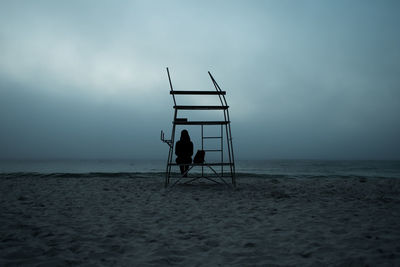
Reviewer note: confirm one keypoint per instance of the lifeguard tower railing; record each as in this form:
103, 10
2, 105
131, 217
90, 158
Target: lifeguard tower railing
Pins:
225, 130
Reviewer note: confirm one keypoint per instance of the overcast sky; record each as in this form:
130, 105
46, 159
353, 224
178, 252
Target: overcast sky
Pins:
304, 79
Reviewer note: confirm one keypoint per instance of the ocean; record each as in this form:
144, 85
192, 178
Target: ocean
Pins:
259, 168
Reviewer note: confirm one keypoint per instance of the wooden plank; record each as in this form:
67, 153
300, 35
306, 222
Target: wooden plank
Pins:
197, 92
201, 107
201, 122
203, 164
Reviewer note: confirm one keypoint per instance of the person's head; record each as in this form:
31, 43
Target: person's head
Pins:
185, 136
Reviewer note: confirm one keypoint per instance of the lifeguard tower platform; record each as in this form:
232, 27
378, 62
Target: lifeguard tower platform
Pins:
219, 171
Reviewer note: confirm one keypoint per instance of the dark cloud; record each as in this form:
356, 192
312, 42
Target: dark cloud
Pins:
304, 80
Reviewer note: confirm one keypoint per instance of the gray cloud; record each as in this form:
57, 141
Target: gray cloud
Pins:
305, 79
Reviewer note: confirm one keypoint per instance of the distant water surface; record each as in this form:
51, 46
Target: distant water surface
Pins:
268, 168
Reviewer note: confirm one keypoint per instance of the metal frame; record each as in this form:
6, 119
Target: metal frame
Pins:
226, 122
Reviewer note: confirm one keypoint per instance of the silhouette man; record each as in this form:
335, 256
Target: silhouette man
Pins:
184, 152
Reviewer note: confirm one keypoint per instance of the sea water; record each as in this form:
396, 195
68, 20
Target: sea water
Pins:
262, 168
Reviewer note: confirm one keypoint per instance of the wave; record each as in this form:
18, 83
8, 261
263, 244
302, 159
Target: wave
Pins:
239, 175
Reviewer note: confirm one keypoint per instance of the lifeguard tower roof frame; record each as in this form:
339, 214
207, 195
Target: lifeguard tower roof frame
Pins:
225, 130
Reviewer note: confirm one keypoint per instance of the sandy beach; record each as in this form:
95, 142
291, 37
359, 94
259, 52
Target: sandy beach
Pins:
94, 220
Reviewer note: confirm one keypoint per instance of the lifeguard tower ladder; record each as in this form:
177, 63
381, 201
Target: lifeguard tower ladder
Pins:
225, 126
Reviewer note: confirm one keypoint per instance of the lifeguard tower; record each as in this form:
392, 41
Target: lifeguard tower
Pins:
218, 170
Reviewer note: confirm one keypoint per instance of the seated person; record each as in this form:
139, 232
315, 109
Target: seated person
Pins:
184, 152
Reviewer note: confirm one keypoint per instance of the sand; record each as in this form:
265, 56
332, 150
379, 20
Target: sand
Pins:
107, 221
